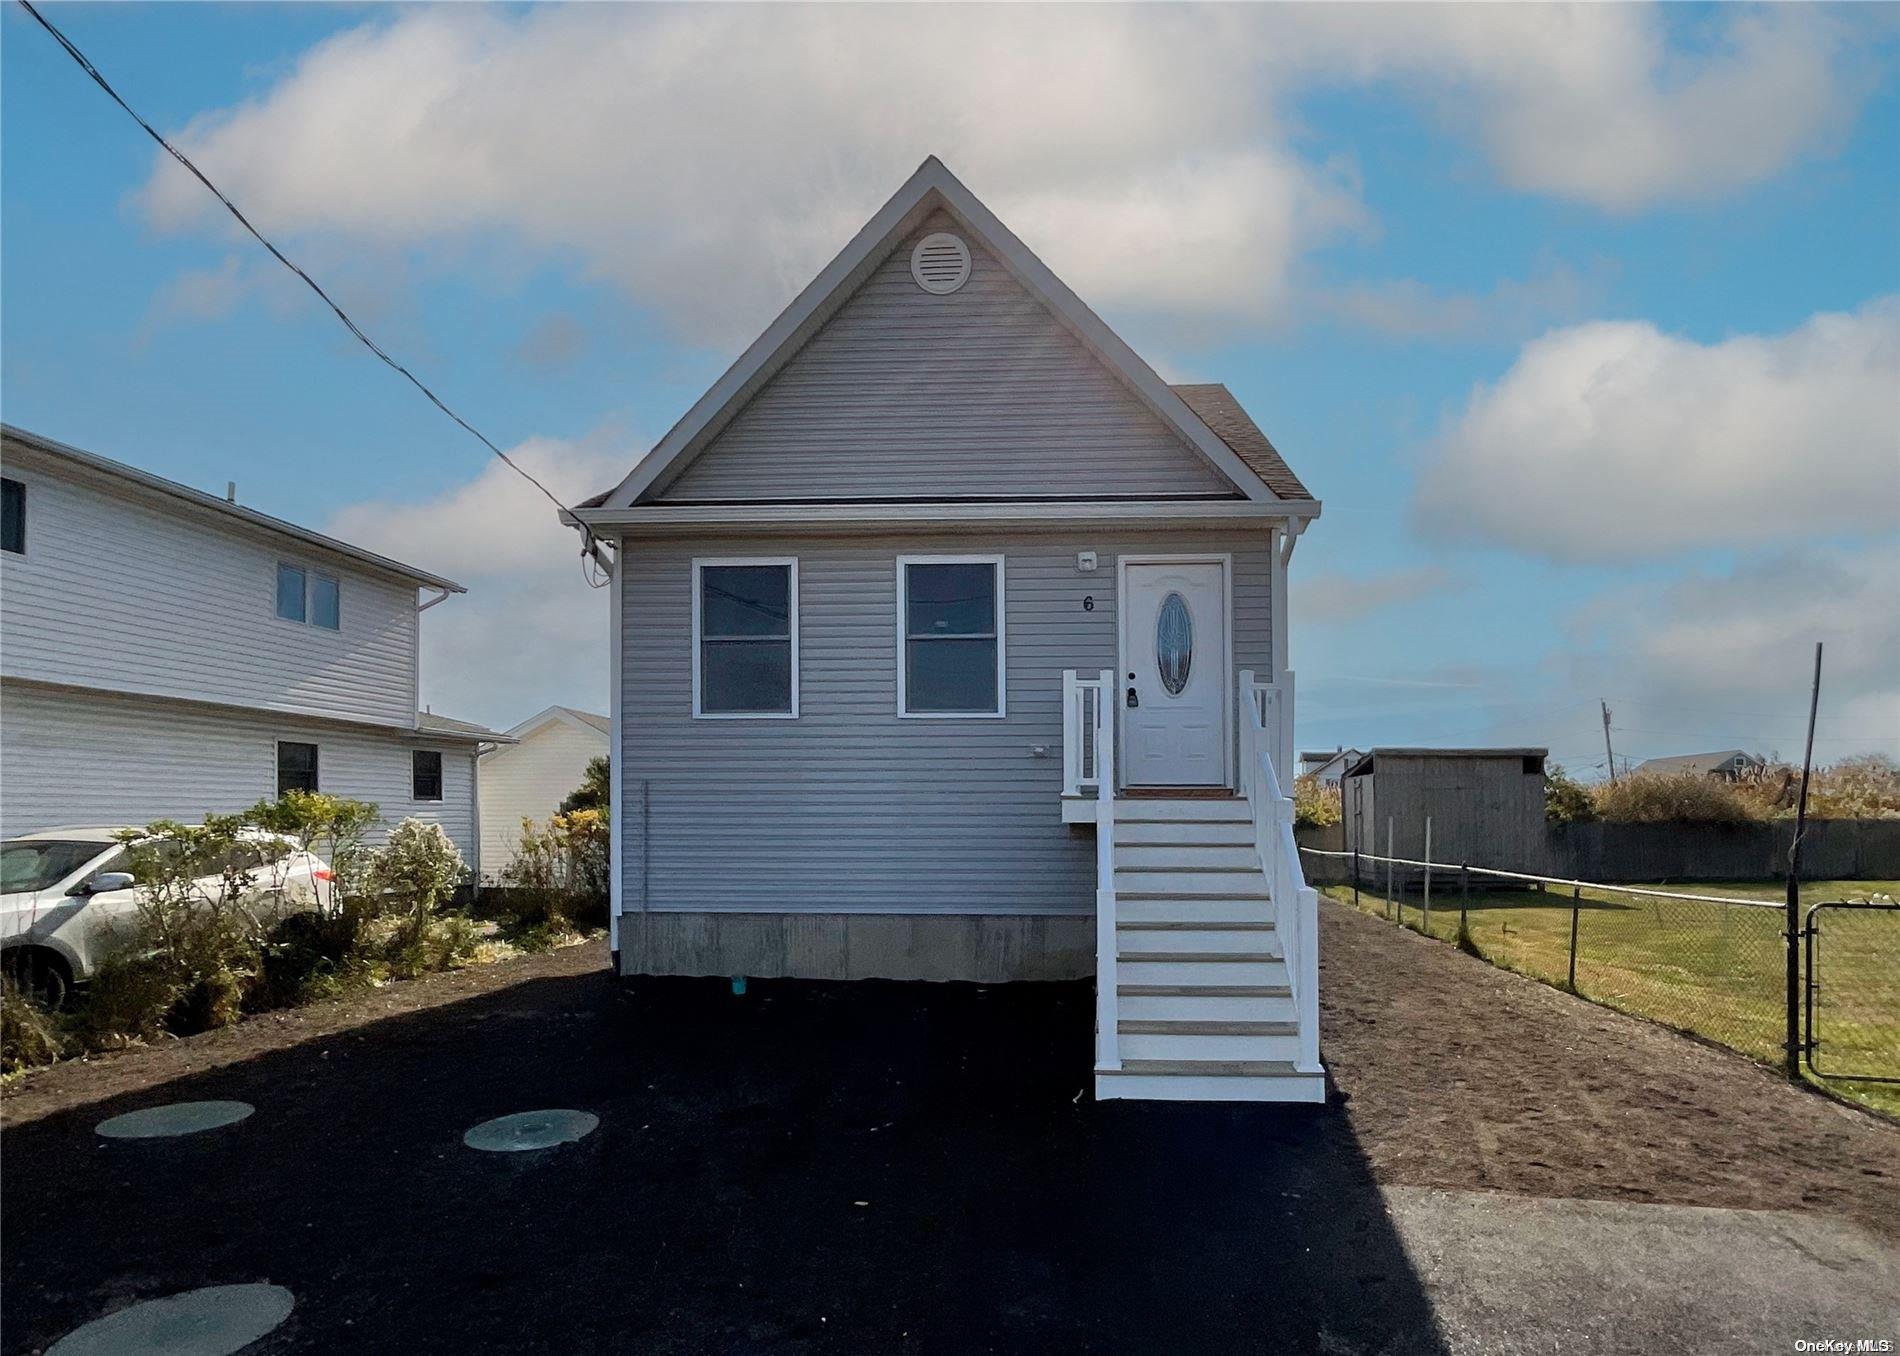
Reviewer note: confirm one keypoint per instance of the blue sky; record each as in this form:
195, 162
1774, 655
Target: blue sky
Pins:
1576, 322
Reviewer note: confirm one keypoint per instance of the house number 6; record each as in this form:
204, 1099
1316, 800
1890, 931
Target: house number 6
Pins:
1088, 602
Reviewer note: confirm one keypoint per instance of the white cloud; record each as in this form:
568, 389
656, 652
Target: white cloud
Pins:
1610, 439
709, 159
529, 632
1333, 598
1720, 660
1408, 309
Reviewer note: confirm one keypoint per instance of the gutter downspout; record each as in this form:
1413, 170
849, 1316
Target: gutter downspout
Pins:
441, 595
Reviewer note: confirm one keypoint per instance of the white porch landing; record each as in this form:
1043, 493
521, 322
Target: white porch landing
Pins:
1204, 1007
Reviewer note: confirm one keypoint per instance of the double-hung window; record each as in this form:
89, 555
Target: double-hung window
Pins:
745, 638
306, 596
13, 516
950, 636
296, 766
425, 774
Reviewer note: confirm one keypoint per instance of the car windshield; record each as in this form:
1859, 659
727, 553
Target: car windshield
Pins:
36, 863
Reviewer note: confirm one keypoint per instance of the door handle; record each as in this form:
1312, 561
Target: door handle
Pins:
1133, 699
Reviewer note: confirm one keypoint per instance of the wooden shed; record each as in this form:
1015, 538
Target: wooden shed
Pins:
1486, 806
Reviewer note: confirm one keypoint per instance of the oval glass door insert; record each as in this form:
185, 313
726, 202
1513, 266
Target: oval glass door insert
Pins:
1174, 643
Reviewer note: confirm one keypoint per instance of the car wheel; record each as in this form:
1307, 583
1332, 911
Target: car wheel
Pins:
41, 975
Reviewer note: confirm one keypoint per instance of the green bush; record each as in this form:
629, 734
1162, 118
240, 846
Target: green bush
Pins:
414, 873
1566, 800
29, 1034
595, 791
1316, 804
560, 877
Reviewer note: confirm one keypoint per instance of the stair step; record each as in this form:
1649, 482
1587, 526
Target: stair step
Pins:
1193, 925
1201, 969
1199, 942
1162, 1026
1214, 1068
1226, 883
1289, 1085
1185, 1004
1185, 857
1185, 833
1204, 990
1209, 811
1202, 911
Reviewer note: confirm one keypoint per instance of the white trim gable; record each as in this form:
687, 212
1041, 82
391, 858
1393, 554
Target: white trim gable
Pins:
553, 715
932, 187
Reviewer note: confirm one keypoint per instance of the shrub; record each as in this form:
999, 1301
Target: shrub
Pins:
1678, 798
561, 874
332, 827
1566, 800
415, 872
595, 791
310, 956
1316, 804
29, 1034
1866, 787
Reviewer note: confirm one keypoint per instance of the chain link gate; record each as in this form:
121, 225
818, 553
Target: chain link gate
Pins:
1852, 999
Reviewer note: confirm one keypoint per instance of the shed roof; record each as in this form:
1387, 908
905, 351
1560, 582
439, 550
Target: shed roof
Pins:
1365, 764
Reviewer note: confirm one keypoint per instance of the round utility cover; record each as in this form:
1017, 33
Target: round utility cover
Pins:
174, 1118
530, 1130
215, 1321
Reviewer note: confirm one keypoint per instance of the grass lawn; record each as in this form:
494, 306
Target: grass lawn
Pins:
1716, 970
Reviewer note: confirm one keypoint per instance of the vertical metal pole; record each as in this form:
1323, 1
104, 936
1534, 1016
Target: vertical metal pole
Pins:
1793, 921
1388, 867
1358, 828
1576, 898
1426, 922
1464, 901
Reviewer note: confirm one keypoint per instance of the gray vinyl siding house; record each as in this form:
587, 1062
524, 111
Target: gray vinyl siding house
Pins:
995, 435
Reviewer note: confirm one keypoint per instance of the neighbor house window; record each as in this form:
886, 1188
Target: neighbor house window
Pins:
425, 775
306, 596
745, 638
13, 517
296, 766
950, 636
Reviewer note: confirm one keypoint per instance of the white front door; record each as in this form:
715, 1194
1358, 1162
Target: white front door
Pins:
1173, 690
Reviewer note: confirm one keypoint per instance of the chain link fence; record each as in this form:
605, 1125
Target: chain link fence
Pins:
1711, 964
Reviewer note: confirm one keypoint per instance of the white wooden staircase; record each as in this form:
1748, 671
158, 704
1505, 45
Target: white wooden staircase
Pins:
1206, 967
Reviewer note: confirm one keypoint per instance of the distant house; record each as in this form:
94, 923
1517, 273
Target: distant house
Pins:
1329, 768
1486, 806
1727, 765
529, 778
168, 653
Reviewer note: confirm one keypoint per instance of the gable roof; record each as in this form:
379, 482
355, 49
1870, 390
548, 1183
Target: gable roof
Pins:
933, 187
447, 727
566, 715
159, 486
1696, 762
1214, 405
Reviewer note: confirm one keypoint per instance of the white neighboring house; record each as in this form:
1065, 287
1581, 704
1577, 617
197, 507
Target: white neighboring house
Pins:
531, 777
1328, 768
165, 653
950, 642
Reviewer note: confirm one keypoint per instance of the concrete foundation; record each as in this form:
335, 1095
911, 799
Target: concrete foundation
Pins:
987, 948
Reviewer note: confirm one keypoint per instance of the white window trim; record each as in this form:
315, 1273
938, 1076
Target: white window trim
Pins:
903, 640
310, 573
699, 564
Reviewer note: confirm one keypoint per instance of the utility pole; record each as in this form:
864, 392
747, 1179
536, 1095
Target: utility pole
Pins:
1607, 753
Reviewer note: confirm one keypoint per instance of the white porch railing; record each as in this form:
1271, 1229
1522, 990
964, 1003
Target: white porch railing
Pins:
1266, 727
1084, 705
1088, 764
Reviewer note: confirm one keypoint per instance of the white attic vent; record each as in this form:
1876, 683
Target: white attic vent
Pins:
940, 263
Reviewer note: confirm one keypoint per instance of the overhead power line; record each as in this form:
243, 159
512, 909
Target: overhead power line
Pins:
85, 64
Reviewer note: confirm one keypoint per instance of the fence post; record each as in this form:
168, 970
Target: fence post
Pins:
1464, 902
1425, 924
1388, 869
1576, 899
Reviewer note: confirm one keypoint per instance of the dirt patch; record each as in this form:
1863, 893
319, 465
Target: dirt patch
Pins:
1463, 1075
58, 1087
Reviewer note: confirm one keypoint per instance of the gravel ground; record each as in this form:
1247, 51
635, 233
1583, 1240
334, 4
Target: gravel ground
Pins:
879, 1167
